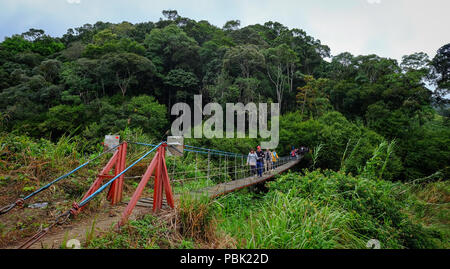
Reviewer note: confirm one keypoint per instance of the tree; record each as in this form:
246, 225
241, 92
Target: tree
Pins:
146, 113
248, 35
312, 96
33, 34
125, 68
342, 67
232, 25
441, 64
180, 80
243, 62
309, 50
281, 64
16, 44
415, 62
50, 69
108, 42
246, 58
83, 80
170, 48
74, 51
63, 119
170, 14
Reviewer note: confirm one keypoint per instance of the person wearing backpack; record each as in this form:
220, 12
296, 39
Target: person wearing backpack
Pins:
274, 159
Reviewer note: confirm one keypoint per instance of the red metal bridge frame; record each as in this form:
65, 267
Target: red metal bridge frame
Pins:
117, 161
159, 169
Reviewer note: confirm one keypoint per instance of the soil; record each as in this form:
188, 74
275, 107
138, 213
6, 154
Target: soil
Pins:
78, 228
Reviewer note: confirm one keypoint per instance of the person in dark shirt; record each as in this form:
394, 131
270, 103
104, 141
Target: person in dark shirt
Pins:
268, 160
260, 161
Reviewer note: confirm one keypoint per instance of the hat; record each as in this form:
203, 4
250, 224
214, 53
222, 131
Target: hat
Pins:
258, 147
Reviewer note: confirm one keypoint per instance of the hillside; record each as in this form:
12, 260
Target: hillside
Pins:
380, 137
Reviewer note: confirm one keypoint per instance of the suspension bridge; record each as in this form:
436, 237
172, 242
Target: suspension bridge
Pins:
232, 174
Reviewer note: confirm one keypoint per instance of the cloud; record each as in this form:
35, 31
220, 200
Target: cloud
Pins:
374, 2
74, 1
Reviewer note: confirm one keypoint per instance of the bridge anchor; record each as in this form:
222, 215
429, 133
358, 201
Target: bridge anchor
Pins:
159, 169
117, 161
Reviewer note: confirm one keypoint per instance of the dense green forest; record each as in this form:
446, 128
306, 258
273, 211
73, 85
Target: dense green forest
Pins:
379, 131
102, 78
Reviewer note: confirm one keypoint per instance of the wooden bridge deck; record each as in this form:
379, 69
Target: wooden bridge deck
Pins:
227, 187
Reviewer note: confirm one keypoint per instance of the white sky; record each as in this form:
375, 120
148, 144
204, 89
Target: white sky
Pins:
389, 28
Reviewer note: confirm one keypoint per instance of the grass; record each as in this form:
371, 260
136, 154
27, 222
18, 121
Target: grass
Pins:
190, 225
145, 233
432, 208
314, 210
328, 210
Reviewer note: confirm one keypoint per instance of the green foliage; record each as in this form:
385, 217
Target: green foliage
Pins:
325, 210
196, 217
315, 154
334, 132
106, 41
146, 113
141, 234
441, 64
43, 45
16, 44
171, 48
63, 119
312, 98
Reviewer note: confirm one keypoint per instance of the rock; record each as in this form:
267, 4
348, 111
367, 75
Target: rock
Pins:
38, 205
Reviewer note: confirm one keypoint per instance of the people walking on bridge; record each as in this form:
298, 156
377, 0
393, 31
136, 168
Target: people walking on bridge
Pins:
274, 159
303, 150
268, 160
251, 161
260, 161
293, 153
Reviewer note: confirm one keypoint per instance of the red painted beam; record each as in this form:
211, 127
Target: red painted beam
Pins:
103, 174
137, 194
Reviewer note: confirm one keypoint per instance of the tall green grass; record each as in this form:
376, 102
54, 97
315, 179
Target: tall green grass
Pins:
325, 209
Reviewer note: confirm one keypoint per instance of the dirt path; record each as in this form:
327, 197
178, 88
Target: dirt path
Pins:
79, 227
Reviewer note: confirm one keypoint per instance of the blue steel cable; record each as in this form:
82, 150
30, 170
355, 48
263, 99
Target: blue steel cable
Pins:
9, 207
142, 144
205, 150
68, 174
90, 197
213, 150
213, 153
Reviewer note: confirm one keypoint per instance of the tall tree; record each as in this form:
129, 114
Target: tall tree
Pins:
441, 64
126, 68
281, 64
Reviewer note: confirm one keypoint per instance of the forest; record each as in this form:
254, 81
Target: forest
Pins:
123, 78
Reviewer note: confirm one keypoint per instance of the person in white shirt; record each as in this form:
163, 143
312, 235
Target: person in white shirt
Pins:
251, 161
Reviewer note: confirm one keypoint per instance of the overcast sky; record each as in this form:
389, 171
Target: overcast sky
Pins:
389, 28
